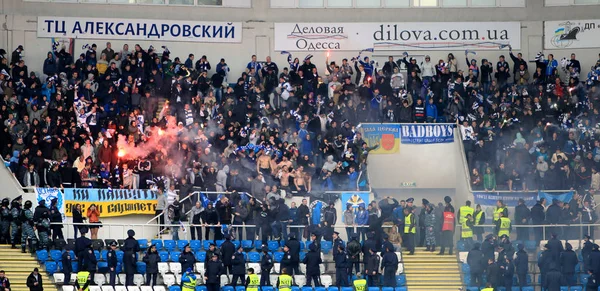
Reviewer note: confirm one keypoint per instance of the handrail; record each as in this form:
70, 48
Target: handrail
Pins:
14, 178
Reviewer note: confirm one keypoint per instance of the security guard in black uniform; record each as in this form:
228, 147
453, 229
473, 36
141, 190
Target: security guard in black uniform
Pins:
82, 243
342, 260
131, 248
286, 260
266, 264
337, 241
90, 262
389, 264
372, 269
112, 261
387, 245
313, 263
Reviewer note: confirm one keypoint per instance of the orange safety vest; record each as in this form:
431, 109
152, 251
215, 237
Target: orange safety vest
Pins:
449, 219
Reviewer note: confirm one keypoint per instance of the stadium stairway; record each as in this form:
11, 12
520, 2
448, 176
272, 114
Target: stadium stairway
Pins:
18, 266
428, 271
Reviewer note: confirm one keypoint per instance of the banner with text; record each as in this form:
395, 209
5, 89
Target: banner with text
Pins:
139, 29
571, 34
427, 133
412, 36
387, 136
510, 199
49, 194
111, 202
560, 196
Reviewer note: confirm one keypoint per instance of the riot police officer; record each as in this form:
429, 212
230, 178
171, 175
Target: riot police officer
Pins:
27, 228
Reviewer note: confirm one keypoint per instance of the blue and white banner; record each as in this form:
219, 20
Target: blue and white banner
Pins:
355, 200
139, 29
49, 194
510, 199
426, 133
560, 196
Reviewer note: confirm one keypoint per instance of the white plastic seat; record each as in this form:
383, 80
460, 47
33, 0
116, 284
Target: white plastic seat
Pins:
199, 279
302, 268
59, 278
178, 279
399, 254
68, 288
108, 288
400, 269
276, 268
95, 288
122, 279
73, 278
120, 288
169, 279
146, 288
574, 243
255, 266
273, 278
133, 288
138, 280
163, 268
225, 280
175, 268
542, 244
462, 256
300, 280
200, 269
99, 279
326, 280
159, 288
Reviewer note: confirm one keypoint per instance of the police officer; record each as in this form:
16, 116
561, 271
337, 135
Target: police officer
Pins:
111, 258
386, 243
81, 244
353, 250
342, 260
90, 262
337, 241
27, 228
389, 264
56, 220
286, 260
410, 228
284, 282
227, 252
83, 281
5, 219
131, 248
15, 222
367, 246
41, 208
266, 264
294, 250
188, 280
187, 258
67, 266
43, 229
212, 249
503, 225
463, 211
238, 267
372, 269
213, 272
360, 284
313, 266
253, 282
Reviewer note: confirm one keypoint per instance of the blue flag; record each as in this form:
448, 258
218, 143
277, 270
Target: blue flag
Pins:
316, 212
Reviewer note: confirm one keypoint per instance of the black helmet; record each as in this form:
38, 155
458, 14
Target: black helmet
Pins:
5, 202
28, 204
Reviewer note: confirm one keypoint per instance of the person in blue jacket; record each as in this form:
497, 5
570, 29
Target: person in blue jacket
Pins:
50, 65
362, 220
431, 111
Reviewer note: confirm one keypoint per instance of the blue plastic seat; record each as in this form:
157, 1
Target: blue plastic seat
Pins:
158, 243
74, 267
258, 245
120, 255
227, 288
104, 255
201, 256
273, 245
164, 256
583, 278
295, 288
181, 244
103, 267
387, 288
460, 246
337, 289
576, 288
206, 244
195, 245
473, 288
530, 245
41, 255
51, 267
501, 288
140, 267
467, 280
174, 288
247, 245
219, 242
56, 255
143, 243
320, 289
174, 256
254, 257
326, 246
201, 288
169, 245
401, 289
347, 289
305, 288
119, 268
97, 255
373, 289
302, 255
465, 268
527, 288
267, 288
240, 288
236, 244
278, 257
400, 280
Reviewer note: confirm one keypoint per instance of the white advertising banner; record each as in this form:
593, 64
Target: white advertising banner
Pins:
572, 34
412, 36
140, 29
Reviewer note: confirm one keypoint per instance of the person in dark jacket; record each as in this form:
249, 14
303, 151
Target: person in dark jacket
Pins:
553, 216
112, 262
493, 273
238, 269
555, 246
151, 259
212, 249
90, 262
488, 247
82, 243
67, 266
553, 278
586, 250
366, 248
389, 264
227, 251
337, 241
266, 264
477, 265
130, 249
329, 220
35, 281
372, 269
522, 216
341, 259
522, 265
294, 250
213, 272
544, 261
313, 266
187, 258
56, 220
354, 249
286, 260
594, 260
568, 261
508, 271
538, 217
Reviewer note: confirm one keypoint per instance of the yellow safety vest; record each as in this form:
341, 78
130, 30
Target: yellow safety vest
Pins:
191, 285
285, 282
487, 289
360, 285
407, 224
478, 217
504, 226
464, 211
82, 278
497, 212
253, 282
466, 231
